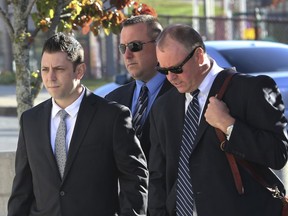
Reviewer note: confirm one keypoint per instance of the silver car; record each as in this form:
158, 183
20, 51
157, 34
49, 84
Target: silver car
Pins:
252, 57
255, 58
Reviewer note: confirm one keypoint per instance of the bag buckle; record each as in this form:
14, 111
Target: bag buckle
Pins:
276, 193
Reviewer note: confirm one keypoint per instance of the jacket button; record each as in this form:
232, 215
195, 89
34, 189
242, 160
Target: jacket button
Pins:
62, 193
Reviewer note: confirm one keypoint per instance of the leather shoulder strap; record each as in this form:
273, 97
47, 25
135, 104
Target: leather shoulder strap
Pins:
276, 193
222, 138
230, 74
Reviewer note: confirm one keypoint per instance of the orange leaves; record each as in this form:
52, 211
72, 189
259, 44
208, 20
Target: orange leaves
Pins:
44, 24
88, 15
120, 4
276, 2
86, 25
95, 16
143, 9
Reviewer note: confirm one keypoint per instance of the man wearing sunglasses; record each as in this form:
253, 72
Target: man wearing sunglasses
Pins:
137, 46
189, 171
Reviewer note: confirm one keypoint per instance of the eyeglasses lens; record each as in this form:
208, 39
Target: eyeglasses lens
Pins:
176, 69
133, 47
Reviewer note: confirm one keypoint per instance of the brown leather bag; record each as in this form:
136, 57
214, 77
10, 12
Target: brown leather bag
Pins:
233, 162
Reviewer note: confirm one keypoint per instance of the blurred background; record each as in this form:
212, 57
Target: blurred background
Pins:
214, 19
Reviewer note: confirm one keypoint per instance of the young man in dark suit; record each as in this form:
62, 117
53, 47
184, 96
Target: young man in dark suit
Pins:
75, 169
137, 45
189, 171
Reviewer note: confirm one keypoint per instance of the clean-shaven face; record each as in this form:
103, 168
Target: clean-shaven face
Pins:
141, 64
173, 54
60, 79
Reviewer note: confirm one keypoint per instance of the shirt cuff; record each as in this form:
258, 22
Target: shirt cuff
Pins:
229, 131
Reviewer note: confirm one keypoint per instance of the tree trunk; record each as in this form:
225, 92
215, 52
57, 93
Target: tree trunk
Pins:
21, 57
7, 45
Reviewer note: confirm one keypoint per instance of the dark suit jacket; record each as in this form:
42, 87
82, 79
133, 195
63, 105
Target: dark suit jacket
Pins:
103, 147
258, 136
124, 95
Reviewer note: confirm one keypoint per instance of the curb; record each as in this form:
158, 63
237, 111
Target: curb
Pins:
8, 111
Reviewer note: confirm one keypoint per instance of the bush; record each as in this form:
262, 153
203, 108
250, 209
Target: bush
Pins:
7, 77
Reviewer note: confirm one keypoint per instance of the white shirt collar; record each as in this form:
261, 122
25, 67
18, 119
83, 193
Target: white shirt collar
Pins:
206, 84
72, 109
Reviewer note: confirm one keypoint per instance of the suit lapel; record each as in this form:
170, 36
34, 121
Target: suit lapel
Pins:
126, 97
165, 87
213, 91
175, 124
85, 115
45, 116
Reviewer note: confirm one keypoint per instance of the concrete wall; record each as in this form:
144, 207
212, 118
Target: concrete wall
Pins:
7, 170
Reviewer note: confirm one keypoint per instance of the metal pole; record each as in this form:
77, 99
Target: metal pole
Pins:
257, 18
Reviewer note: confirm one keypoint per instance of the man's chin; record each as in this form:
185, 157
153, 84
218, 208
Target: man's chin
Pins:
180, 88
136, 76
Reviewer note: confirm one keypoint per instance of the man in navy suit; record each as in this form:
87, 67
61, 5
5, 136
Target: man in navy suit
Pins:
137, 45
251, 115
102, 150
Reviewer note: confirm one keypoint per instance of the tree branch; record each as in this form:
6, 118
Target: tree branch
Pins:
33, 35
7, 23
66, 2
29, 8
56, 19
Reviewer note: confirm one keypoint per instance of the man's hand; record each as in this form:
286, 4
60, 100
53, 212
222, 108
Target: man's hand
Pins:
217, 114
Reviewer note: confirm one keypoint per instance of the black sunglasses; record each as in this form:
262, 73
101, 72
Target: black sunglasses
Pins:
135, 46
175, 69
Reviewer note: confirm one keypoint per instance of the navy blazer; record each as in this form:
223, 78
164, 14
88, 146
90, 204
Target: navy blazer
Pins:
258, 136
124, 95
103, 150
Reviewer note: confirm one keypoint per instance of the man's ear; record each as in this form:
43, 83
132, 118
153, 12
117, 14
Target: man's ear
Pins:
200, 55
80, 70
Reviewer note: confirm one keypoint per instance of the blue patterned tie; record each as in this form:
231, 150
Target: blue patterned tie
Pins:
141, 107
184, 193
60, 143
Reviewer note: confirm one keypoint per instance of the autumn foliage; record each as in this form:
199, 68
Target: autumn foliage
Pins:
89, 15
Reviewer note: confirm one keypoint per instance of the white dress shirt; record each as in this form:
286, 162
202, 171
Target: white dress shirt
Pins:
70, 121
204, 87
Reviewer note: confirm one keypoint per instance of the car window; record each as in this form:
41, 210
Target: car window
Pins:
257, 60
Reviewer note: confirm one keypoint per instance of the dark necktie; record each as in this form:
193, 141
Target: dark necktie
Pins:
141, 107
184, 193
60, 143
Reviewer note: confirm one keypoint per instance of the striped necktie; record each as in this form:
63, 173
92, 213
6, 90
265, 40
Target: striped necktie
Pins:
184, 193
60, 143
140, 110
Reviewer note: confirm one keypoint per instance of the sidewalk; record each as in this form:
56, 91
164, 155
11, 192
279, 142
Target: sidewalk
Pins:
9, 127
9, 130
8, 101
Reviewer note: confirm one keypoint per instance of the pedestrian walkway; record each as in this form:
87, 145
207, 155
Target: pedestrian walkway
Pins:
9, 131
9, 127
8, 96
